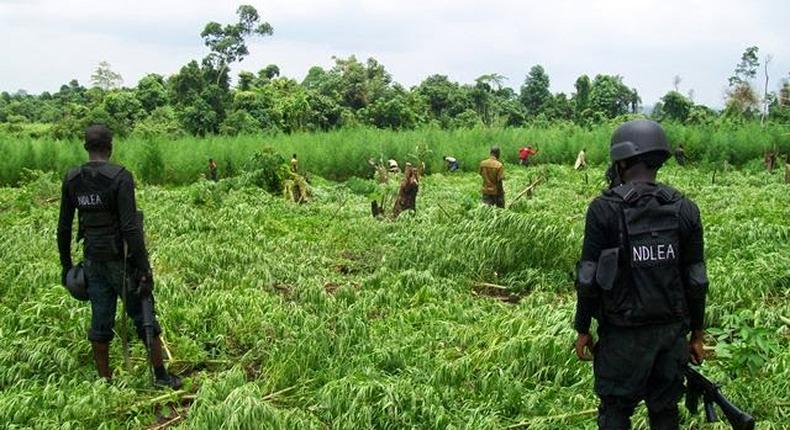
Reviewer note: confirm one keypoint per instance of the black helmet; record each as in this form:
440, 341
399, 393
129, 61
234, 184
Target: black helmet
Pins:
638, 137
75, 283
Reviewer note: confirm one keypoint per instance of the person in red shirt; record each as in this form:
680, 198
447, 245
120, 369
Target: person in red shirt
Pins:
524, 153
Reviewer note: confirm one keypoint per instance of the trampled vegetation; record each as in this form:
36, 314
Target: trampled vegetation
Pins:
310, 316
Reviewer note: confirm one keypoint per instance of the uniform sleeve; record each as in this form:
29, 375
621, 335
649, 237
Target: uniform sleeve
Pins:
65, 221
500, 173
130, 230
595, 238
693, 264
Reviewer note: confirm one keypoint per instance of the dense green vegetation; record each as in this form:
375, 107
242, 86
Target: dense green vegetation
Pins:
200, 98
344, 153
317, 315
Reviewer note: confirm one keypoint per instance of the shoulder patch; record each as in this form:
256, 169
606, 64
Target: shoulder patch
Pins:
110, 170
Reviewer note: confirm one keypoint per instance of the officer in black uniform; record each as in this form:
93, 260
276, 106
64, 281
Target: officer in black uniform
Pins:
642, 276
103, 195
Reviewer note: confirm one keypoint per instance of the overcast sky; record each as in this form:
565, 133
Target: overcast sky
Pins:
45, 43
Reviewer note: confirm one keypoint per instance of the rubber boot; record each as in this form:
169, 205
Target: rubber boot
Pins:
101, 355
162, 378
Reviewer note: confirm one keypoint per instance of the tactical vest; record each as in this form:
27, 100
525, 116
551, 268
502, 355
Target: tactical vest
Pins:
641, 280
94, 192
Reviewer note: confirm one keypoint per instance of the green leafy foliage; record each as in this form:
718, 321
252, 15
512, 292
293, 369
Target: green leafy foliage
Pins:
267, 169
308, 316
343, 153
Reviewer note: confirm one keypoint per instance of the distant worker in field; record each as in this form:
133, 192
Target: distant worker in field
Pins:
103, 194
493, 172
379, 170
452, 163
769, 160
680, 155
393, 166
212, 170
420, 170
407, 194
642, 276
524, 153
294, 164
581, 160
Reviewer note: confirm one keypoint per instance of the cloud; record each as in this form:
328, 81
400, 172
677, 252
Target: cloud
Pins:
647, 42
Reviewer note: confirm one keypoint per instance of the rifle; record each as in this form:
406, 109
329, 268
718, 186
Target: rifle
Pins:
147, 307
698, 386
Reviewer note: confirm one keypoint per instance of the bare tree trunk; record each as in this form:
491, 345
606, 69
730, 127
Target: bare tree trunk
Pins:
768, 59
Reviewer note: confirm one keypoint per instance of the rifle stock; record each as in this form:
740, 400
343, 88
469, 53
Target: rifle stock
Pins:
698, 386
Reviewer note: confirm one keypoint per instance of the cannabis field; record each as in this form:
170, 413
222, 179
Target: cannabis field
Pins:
281, 315
344, 153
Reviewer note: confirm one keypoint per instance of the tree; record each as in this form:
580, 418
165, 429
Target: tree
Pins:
239, 122
444, 99
103, 77
559, 108
492, 80
535, 91
246, 80
324, 113
676, 83
227, 43
581, 98
483, 98
124, 110
610, 97
270, 72
186, 85
746, 69
742, 100
700, 115
161, 122
675, 107
151, 92
780, 106
766, 97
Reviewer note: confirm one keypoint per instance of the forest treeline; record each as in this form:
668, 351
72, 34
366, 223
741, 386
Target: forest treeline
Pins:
203, 99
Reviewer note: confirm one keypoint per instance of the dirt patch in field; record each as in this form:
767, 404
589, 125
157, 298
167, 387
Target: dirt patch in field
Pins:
331, 287
350, 263
284, 290
170, 415
498, 292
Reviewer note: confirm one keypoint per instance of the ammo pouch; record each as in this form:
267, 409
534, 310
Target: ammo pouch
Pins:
606, 274
102, 236
103, 245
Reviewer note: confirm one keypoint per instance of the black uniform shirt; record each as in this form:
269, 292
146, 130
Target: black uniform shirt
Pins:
602, 230
122, 188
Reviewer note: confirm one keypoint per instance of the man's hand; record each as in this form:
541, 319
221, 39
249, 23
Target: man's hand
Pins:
145, 285
696, 350
584, 346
